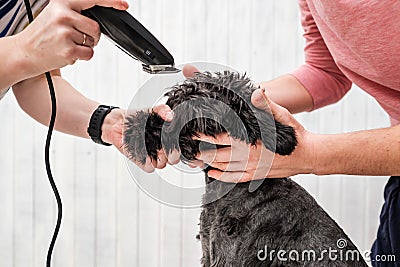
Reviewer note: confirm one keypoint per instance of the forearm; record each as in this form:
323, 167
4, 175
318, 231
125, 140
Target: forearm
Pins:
372, 152
73, 109
288, 92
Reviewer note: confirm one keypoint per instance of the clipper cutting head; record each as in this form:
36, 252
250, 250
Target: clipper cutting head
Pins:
160, 69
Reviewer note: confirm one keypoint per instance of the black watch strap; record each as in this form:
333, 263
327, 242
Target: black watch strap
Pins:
96, 121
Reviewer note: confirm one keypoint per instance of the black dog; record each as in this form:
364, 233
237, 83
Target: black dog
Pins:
278, 224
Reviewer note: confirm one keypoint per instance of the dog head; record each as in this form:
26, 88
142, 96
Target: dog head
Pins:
210, 104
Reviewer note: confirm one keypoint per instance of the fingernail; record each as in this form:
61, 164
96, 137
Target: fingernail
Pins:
125, 4
169, 115
264, 95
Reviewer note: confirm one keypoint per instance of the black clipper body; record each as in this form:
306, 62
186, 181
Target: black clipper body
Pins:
133, 38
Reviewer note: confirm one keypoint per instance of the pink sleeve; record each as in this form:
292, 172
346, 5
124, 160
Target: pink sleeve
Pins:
320, 74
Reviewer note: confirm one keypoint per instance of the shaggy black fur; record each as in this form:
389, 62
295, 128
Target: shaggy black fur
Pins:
279, 215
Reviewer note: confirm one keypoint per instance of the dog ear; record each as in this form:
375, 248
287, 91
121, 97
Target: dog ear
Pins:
286, 140
276, 137
142, 135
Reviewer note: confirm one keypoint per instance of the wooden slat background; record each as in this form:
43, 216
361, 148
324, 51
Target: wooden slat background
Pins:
108, 221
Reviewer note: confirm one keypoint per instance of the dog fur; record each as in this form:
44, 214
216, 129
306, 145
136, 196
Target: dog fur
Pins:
278, 215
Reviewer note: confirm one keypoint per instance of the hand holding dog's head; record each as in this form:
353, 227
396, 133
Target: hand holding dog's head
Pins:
210, 104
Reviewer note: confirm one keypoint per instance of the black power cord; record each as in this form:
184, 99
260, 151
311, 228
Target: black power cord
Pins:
47, 151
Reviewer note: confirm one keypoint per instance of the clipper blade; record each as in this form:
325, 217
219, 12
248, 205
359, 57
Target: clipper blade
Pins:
160, 69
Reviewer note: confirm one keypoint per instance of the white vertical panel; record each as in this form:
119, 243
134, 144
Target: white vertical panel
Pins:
127, 192
171, 236
106, 180
85, 180
63, 164
127, 218
7, 181
44, 216
172, 28
214, 20
191, 246
85, 206
239, 34
171, 249
194, 36
283, 42
64, 170
149, 231
23, 193
261, 41
106, 217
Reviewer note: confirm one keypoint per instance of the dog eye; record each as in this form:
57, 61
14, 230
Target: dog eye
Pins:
232, 227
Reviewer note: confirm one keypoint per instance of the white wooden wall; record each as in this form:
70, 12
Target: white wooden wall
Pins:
107, 220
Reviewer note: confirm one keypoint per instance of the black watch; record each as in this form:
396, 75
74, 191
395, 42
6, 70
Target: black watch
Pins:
96, 121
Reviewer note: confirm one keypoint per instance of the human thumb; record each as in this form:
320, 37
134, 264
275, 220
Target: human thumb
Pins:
260, 100
189, 71
164, 112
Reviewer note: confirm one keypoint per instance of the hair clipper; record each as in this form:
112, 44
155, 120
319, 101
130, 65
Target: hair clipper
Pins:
133, 38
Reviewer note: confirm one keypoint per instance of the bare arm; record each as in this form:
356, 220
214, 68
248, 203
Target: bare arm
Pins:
368, 152
288, 92
73, 109
14, 67
372, 152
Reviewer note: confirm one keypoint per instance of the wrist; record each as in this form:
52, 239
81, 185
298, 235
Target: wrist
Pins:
322, 161
112, 123
306, 153
22, 59
312, 156
97, 124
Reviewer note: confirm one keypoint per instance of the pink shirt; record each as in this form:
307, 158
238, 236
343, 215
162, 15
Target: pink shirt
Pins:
352, 41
